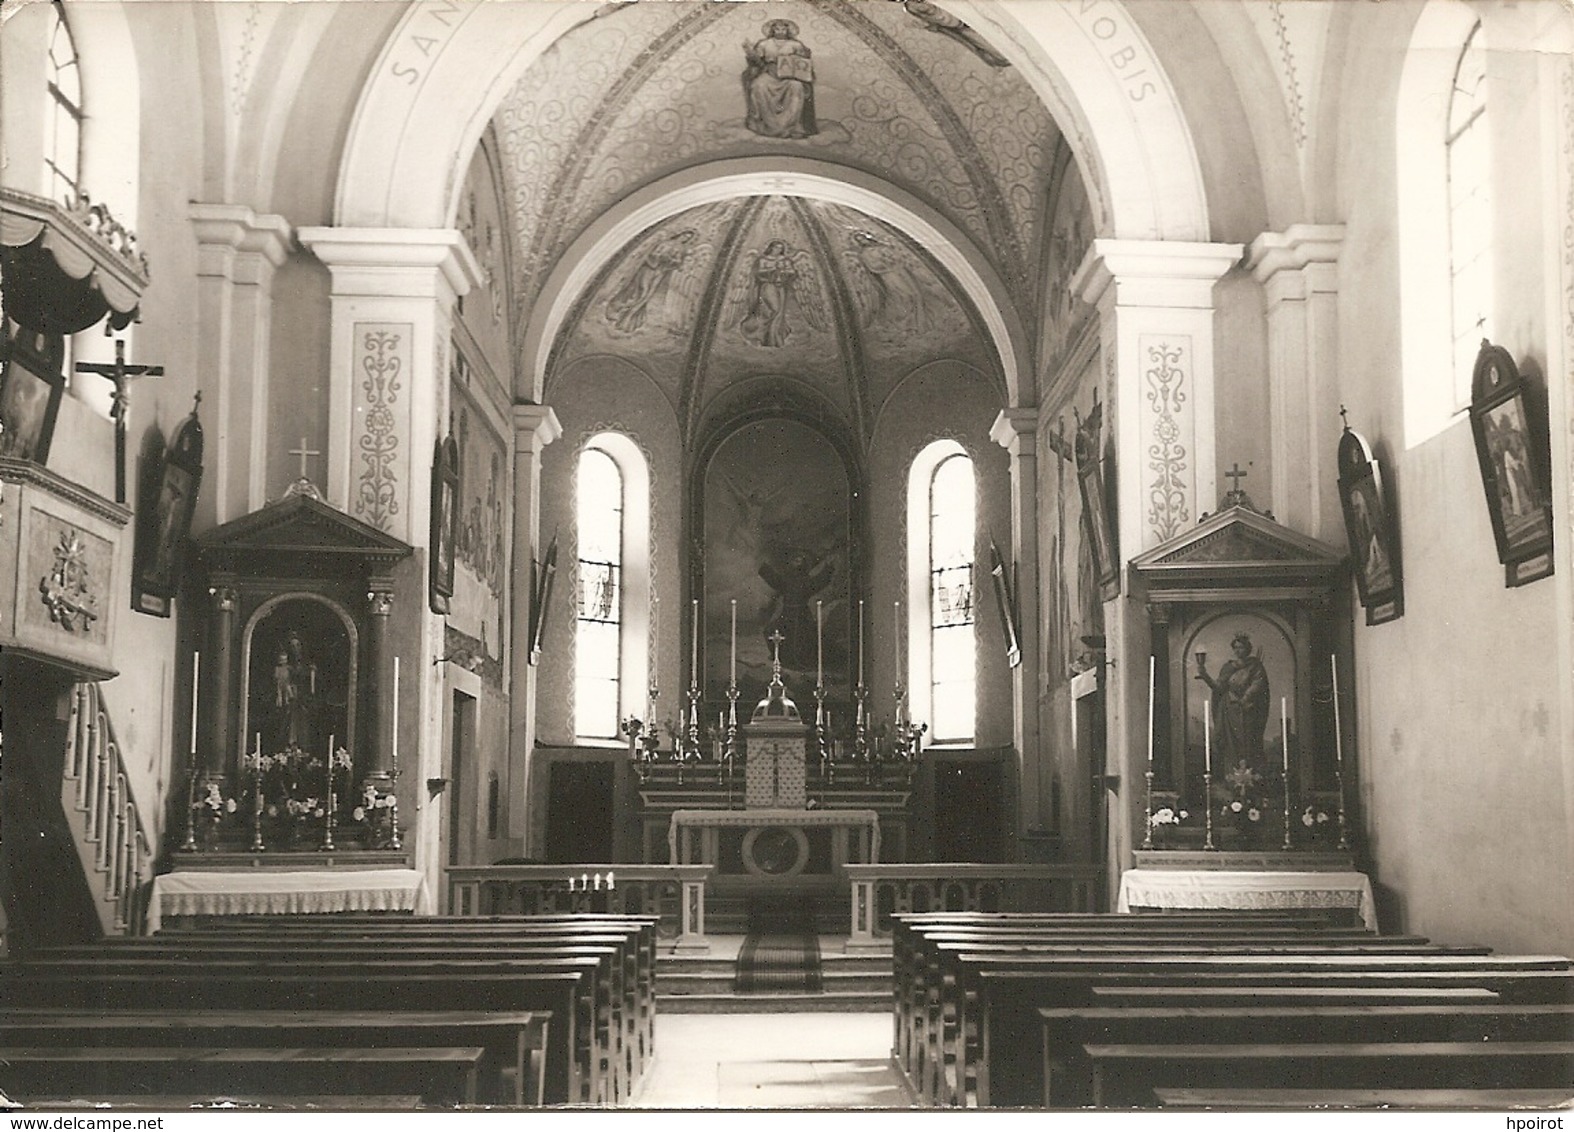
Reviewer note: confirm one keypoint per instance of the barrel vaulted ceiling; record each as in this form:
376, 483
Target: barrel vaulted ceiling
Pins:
770, 284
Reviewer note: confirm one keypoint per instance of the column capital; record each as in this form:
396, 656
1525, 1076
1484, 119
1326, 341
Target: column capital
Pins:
227, 230
400, 262
1297, 247
1154, 273
1014, 430
535, 426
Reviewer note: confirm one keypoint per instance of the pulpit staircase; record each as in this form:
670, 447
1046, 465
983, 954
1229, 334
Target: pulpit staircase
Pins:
111, 838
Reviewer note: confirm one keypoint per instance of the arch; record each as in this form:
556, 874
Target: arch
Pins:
818, 180
266, 610
445, 69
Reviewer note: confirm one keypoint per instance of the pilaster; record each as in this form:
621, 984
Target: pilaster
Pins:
1016, 430
237, 254
535, 426
1299, 272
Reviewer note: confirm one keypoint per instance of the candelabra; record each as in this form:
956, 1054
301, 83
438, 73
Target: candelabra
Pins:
1286, 842
1207, 810
327, 822
1344, 839
190, 844
255, 762
1147, 837
729, 749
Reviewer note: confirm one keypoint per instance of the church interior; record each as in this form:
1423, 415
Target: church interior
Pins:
698, 498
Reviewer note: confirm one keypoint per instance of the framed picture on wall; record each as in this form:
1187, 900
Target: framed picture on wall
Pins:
31, 384
1511, 447
1089, 448
1369, 525
445, 516
164, 521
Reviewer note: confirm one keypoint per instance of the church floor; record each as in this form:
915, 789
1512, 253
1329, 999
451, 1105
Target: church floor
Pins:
772, 1061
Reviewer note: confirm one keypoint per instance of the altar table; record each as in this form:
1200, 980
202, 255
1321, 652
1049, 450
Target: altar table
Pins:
862, 847
1208, 888
269, 892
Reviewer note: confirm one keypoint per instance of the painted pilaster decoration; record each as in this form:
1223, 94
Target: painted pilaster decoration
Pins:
1016, 431
237, 254
1155, 304
393, 297
535, 426
1299, 272
221, 647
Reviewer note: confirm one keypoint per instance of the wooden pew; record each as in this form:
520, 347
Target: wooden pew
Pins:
1068, 1079
227, 1102
444, 1075
998, 1056
1124, 1076
514, 1040
558, 987
1429, 1100
602, 1042
1190, 994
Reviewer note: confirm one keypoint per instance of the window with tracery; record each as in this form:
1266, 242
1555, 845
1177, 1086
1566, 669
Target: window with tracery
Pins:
952, 643
599, 628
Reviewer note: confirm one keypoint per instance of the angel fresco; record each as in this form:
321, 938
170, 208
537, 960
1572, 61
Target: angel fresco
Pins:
779, 281
630, 306
885, 286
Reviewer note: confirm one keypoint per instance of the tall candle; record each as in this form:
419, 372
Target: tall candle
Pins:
860, 640
1152, 693
1333, 668
734, 642
819, 644
694, 647
394, 749
331, 738
196, 673
897, 628
655, 638
1284, 734
1207, 735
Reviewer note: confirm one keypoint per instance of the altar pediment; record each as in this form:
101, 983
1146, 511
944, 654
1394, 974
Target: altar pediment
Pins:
1238, 550
305, 529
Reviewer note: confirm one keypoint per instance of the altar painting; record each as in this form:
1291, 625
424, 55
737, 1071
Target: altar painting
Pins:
776, 522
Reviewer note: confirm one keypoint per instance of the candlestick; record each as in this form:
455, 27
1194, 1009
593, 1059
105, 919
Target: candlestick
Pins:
196, 673
733, 671
1207, 735
327, 821
1333, 668
1152, 693
257, 844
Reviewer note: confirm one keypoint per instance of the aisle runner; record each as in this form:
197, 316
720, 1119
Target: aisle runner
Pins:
772, 961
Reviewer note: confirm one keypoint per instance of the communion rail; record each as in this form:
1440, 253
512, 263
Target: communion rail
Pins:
881, 891
675, 893
113, 840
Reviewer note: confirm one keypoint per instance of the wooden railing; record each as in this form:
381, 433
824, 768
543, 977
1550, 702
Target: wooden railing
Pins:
675, 893
115, 842
880, 891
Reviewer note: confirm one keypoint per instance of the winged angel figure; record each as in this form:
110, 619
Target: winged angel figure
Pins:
886, 288
670, 266
776, 282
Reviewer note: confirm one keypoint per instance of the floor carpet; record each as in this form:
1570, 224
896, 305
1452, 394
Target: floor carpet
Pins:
776, 961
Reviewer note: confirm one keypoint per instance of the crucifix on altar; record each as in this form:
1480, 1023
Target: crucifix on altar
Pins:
120, 373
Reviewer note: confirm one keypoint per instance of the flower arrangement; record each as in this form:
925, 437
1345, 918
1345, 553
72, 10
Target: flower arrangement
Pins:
1245, 804
377, 813
291, 792
210, 811
1165, 823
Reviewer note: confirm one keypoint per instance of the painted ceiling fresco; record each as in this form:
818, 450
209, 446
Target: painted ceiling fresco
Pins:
886, 88
770, 285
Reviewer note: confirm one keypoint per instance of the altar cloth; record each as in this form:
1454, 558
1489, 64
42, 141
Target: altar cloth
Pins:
266, 892
1207, 888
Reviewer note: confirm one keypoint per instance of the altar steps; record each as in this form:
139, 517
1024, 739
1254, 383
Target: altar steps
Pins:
703, 984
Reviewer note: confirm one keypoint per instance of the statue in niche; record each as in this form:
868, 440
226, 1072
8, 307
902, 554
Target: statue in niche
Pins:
294, 695
1240, 702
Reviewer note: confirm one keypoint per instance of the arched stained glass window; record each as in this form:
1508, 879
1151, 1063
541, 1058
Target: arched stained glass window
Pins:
598, 644
952, 644
63, 107
1469, 211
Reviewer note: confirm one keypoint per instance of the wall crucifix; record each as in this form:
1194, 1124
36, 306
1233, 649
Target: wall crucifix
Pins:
120, 373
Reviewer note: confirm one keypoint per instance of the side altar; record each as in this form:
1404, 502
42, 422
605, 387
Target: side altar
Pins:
1250, 771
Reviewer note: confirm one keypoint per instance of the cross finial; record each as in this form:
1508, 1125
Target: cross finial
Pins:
1344, 416
1235, 475
303, 452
